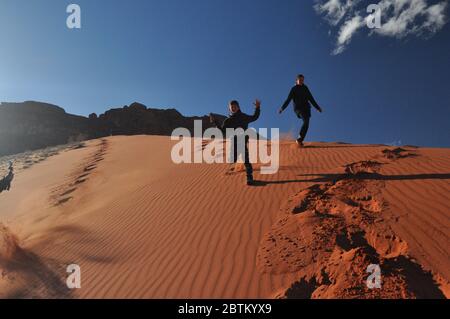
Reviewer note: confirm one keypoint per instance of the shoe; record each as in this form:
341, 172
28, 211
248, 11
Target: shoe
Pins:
299, 142
250, 181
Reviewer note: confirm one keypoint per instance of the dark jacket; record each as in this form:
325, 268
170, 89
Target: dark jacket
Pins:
239, 120
302, 97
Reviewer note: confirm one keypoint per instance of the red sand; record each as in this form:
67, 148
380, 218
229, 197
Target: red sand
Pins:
142, 227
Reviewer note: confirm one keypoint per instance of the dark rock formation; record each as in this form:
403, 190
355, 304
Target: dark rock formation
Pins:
34, 125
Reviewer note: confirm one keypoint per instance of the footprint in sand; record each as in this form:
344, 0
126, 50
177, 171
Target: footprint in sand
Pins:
79, 176
397, 153
331, 232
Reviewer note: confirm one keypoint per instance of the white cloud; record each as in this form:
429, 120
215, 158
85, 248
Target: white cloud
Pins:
436, 18
334, 10
346, 32
400, 18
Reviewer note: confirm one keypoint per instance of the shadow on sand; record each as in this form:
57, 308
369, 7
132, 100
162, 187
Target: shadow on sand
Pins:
324, 178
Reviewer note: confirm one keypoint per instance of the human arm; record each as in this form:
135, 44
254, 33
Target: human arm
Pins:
313, 101
217, 124
257, 113
288, 100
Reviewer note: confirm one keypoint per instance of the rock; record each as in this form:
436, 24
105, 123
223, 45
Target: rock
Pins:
33, 125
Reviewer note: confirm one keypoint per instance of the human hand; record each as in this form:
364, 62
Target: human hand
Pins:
257, 104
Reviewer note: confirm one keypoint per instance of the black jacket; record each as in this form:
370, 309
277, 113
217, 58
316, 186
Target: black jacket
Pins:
239, 120
302, 97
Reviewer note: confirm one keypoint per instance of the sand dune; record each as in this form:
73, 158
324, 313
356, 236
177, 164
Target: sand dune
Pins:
140, 226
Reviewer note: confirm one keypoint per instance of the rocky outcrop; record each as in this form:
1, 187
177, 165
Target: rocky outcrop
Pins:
33, 125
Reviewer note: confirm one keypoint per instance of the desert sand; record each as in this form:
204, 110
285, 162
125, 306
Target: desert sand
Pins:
140, 226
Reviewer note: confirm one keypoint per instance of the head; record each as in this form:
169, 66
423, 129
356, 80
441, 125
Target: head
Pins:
300, 79
234, 106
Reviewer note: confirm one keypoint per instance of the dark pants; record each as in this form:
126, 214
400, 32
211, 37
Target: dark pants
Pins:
237, 152
305, 126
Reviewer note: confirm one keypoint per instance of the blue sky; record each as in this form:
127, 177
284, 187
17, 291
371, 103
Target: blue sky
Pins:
197, 55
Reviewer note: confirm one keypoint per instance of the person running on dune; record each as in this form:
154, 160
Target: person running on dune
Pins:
238, 119
302, 98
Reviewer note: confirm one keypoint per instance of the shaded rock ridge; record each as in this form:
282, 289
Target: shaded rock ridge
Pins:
34, 125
